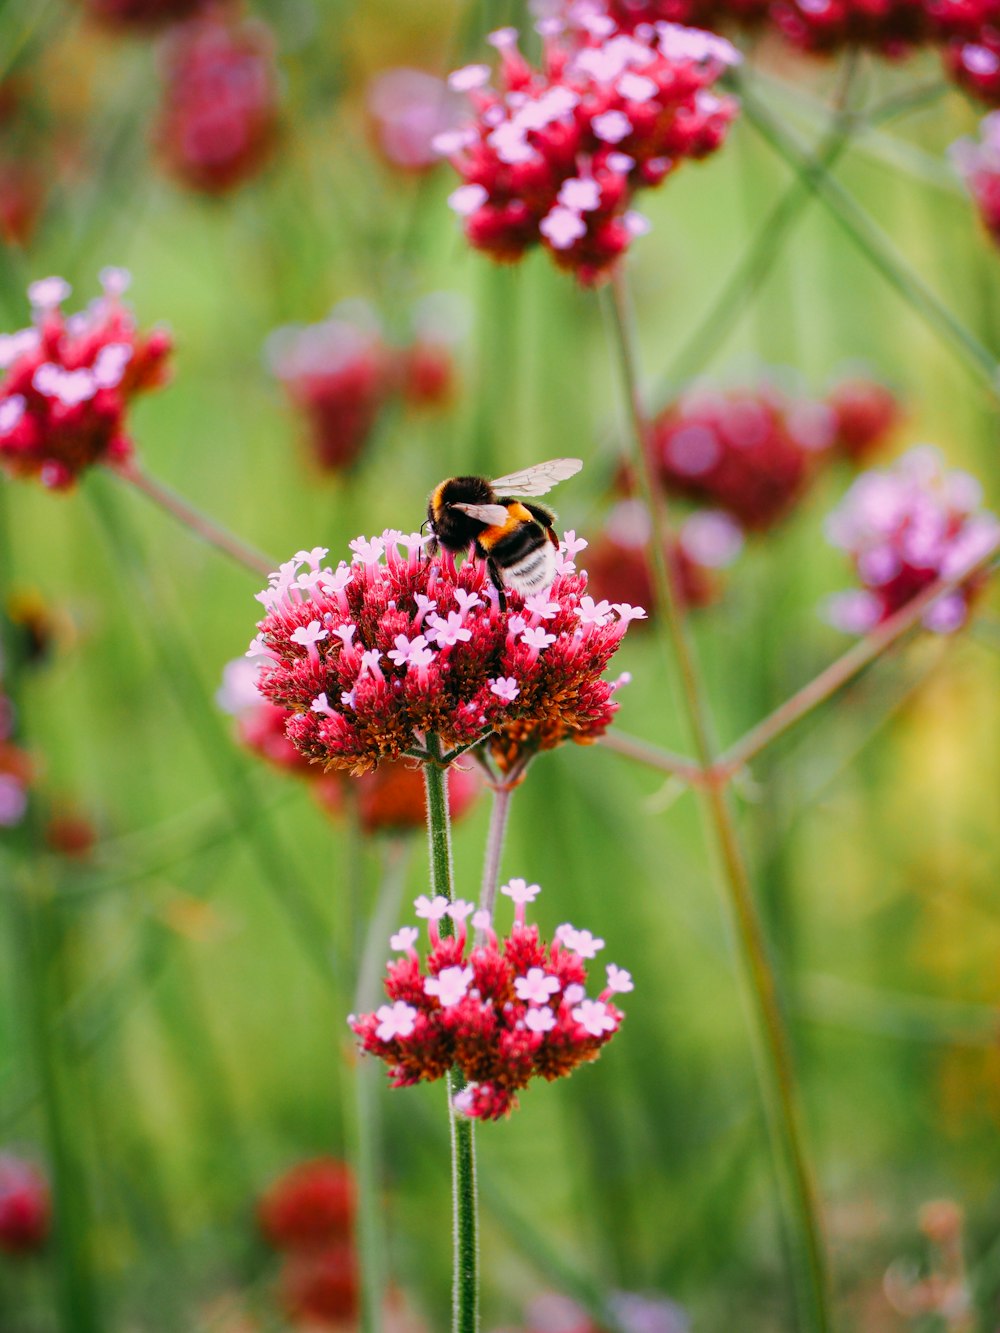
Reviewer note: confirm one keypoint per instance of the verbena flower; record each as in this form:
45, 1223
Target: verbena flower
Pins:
69, 381
142, 15
408, 108
320, 1288
16, 773
375, 656
866, 414
309, 1206
25, 1209
218, 123
338, 374
554, 156
904, 527
890, 27
750, 452
503, 1011
978, 163
706, 542
390, 798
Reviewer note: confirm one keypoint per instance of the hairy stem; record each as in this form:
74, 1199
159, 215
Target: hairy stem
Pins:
775, 1071
244, 555
465, 1279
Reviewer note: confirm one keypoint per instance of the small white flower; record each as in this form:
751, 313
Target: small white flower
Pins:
396, 1020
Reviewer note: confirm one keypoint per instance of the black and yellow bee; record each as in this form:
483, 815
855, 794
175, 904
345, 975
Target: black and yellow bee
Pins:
517, 541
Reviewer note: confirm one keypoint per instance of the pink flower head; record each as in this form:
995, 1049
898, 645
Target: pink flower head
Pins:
218, 122
25, 1210
503, 1012
978, 163
554, 156
749, 452
69, 381
409, 109
904, 527
469, 678
338, 375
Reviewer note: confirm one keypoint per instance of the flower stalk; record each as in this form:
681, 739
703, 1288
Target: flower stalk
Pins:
465, 1273
776, 1075
203, 527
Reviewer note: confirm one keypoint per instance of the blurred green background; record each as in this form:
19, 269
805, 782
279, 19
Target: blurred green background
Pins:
176, 987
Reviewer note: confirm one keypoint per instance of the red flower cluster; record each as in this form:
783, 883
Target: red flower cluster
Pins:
750, 452
904, 527
25, 1210
142, 15
342, 373
753, 452
979, 164
503, 1012
706, 542
219, 120
308, 1214
69, 381
390, 798
967, 31
866, 415
16, 773
376, 656
556, 155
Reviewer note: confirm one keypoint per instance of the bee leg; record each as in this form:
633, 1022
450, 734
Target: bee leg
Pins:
497, 582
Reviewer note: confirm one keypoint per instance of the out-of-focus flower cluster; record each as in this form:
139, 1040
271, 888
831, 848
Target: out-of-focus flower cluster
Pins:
978, 162
69, 379
944, 1292
904, 527
753, 452
25, 160
552, 1312
390, 798
218, 122
142, 15
966, 31
502, 1011
25, 1209
376, 656
745, 458
343, 373
555, 155
308, 1216
408, 109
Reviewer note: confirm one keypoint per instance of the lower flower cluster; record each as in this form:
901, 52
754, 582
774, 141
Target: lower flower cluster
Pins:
501, 1011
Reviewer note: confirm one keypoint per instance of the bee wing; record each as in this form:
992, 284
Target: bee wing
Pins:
493, 515
538, 479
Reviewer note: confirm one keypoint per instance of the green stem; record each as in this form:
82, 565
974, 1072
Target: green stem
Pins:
875, 245
776, 1076
465, 1281
499, 814
368, 1117
76, 1289
203, 527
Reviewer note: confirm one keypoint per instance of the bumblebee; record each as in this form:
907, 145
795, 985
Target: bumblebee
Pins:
517, 540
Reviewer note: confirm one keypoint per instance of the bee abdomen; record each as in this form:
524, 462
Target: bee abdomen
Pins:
532, 572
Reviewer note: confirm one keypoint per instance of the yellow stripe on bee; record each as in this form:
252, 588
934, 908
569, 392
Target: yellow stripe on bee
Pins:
517, 516
436, 498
